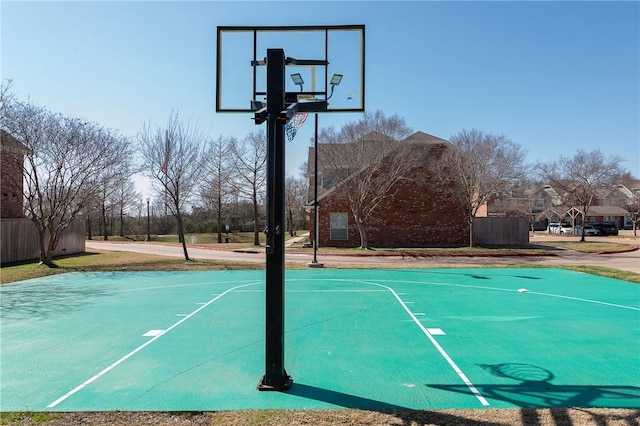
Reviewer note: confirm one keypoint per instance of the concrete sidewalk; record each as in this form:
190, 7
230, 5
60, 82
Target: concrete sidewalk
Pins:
627, 261
295, 240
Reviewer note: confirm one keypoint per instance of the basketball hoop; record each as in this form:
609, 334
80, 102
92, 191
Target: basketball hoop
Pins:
292, 126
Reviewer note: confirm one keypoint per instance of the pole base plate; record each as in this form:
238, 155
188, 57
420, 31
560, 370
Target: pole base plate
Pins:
264, 387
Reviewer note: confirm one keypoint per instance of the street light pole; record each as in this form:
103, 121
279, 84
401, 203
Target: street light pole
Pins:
148, 227
335, 81
314, 262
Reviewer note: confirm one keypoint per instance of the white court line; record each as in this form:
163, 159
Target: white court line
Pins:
130, 290
510, 290
435, 343
319, 291
139, 348
597, 302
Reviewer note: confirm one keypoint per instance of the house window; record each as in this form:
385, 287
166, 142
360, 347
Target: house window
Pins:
338, 226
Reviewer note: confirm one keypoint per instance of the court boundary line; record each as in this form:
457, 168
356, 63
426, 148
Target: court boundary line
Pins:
482, 287
386, 288
432, 339
127, 290
144, 345
435, 343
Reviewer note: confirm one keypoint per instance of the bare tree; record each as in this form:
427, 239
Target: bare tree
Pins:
173, 157
633, 207
105, 208
364, 161
477, 167
67, 160
581, 176
296, 190
124, 198
250, 162
628, 197
217, 176
6, 93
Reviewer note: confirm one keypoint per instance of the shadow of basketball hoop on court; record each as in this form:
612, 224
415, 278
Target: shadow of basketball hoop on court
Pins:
525, 373
535, 389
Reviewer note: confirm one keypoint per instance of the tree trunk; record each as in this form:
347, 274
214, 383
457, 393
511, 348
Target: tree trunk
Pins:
364, 242
256, 234
121, 222
181, 236
51, 246
290, 224
89, 227
219, 220
104, 222
470, 232
46, 250
43, 248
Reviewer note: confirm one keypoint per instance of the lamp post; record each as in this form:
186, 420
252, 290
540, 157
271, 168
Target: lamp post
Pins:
335, 81
148, 227
297, 80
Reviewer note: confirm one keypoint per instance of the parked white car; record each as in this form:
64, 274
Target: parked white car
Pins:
567, 229
590, 230
554, 228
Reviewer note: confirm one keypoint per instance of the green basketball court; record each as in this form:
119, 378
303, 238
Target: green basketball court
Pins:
370, 339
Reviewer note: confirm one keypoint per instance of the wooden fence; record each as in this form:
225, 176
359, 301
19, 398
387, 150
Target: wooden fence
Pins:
19, 240
501, 231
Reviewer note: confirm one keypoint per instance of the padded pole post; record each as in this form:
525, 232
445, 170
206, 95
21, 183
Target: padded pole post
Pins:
275, 377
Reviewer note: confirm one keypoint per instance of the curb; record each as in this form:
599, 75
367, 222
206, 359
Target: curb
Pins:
630, 249
434, 254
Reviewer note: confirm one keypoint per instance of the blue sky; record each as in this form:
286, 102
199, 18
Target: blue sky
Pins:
553, 76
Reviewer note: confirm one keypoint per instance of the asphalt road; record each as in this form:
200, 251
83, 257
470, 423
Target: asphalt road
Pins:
627, 261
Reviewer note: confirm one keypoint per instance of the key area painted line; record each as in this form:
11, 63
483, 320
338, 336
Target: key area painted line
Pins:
435, 343
139, 348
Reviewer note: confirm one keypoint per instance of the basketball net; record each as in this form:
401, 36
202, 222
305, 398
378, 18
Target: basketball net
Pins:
292, 126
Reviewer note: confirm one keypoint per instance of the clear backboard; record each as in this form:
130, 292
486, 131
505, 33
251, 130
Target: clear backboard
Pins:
338, 78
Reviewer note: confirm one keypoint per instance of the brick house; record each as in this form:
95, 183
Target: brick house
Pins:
415, 214
545, 204
11, 186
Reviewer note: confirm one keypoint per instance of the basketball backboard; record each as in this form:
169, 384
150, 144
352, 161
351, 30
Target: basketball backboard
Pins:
338, 79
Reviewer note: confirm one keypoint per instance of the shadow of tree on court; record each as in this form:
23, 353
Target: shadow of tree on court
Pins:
471, 275
45, 299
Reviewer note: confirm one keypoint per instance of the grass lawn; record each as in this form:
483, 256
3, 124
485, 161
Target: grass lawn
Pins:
98, 260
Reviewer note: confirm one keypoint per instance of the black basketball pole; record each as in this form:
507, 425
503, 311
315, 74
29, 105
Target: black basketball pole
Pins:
275, 377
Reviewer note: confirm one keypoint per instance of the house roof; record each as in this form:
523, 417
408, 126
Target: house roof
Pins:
343, 154
10, 144
617, 190
421, 137
341, 150
607, 211
545, 192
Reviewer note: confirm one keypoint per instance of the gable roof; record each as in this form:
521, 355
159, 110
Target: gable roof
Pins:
618, 190
606, 211
348, 160
421, 137
341, 153
341, 150
10, 144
